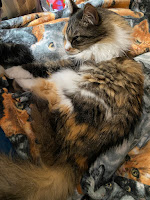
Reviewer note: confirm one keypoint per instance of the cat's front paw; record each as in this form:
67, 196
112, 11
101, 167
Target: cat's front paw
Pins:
17, 72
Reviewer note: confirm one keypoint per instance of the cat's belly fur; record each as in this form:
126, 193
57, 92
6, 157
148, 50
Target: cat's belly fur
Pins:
96, 105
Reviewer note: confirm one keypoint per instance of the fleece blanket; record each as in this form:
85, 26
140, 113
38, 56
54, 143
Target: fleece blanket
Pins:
128, 165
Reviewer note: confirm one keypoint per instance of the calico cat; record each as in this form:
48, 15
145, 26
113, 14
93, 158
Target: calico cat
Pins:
83, 105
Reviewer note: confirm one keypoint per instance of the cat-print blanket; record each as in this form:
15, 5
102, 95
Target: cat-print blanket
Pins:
43, 34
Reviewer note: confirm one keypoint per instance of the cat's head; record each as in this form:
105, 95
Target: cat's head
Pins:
83, 28
90, 27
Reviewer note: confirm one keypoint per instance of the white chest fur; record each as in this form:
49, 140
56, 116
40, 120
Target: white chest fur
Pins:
102, 51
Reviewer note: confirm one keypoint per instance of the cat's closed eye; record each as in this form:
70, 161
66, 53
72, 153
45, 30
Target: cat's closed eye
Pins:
76, 39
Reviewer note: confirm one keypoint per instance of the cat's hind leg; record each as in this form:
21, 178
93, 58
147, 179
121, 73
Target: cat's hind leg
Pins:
42, 87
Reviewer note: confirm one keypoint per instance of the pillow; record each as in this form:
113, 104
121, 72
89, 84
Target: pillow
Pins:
52, 5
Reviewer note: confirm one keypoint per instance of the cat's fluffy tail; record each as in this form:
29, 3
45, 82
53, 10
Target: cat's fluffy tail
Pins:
24, 181
15, 54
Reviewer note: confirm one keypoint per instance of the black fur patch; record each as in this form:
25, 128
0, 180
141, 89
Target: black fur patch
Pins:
37, 70
14, 54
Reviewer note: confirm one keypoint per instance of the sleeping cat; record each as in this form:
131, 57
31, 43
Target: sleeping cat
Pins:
83, 105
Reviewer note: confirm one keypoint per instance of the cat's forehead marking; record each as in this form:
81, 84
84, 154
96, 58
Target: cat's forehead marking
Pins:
73, 23
74, 30
68, 30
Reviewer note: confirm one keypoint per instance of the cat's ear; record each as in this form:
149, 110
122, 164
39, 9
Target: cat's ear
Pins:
72, 6
90, 15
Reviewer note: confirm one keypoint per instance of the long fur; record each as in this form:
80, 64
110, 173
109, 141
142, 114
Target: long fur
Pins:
46, 180
24, 181
79, 111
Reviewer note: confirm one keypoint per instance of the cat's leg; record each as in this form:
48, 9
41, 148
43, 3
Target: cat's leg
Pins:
17, 72
43, 70
25, 75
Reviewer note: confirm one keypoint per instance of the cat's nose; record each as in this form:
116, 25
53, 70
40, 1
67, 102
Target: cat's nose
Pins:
67, 49
68, 46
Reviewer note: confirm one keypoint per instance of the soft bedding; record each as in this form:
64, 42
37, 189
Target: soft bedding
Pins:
127, 165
